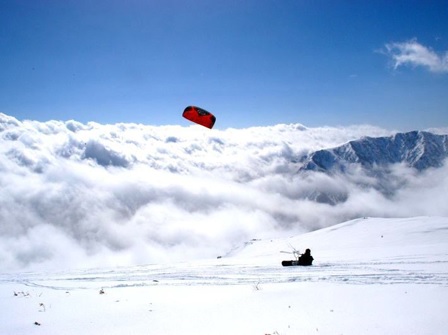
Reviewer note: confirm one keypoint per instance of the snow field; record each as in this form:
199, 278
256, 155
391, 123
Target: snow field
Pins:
370, 276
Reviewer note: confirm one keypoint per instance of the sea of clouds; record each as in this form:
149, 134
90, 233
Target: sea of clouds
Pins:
85, 195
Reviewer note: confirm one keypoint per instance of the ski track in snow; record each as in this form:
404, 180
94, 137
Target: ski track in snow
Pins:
396, 270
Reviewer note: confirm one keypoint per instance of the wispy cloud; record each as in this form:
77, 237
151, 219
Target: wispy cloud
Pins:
412, 53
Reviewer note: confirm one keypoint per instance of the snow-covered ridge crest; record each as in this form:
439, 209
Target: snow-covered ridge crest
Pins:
385, 164
417, 149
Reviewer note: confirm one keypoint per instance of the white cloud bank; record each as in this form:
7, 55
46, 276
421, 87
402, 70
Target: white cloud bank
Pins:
85, 195
413, 53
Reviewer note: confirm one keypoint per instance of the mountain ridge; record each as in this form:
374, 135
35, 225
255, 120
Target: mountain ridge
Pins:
379, 163
416, 149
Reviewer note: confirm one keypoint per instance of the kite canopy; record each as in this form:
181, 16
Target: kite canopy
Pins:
199, 116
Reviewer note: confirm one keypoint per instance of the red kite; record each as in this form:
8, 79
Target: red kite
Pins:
199, 116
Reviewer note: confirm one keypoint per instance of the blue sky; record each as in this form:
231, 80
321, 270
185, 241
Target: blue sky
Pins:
251, 63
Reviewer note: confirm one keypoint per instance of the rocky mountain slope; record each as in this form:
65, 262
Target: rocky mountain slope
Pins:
417, 149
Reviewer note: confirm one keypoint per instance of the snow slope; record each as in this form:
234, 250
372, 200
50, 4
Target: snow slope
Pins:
370, 276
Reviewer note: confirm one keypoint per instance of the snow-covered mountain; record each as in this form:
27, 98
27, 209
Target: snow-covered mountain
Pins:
417, 149
377, 158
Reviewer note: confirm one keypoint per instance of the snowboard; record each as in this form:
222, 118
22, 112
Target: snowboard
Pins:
293, 263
